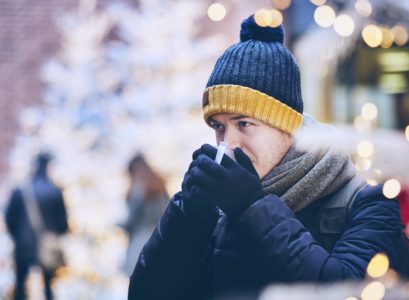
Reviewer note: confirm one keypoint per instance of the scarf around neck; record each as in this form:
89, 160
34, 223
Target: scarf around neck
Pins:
303, 177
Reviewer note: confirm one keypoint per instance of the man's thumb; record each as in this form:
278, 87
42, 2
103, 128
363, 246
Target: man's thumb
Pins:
243, 160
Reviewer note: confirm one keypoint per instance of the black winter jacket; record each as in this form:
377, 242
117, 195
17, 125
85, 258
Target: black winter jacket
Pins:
267, 243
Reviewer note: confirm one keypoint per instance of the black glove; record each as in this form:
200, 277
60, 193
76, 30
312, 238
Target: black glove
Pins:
195, 207
232, 186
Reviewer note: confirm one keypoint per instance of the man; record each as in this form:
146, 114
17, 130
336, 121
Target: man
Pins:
273, 215
53, 217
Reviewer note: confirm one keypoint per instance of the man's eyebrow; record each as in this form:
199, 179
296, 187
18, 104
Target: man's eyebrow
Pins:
238, 117
232, 118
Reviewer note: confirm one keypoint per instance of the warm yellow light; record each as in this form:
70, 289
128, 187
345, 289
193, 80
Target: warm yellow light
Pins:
373, 291
344, 25
362, 124
393, 83
62, 272
277, 18
371, 182
372, 35
216, 12
272, 18
387, 38
365, 149
394, 61
400, 35
391, 188
318, 2
363, 164
324, 16
263, 17
378, 266
281, 4
363, 7
407, 132
369, 111
375, 177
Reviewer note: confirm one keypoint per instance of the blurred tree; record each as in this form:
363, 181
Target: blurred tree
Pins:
126, 79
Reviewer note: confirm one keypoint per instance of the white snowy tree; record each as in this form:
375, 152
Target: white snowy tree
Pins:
126, 79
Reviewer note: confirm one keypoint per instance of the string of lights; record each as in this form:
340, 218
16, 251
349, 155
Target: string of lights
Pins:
326, 15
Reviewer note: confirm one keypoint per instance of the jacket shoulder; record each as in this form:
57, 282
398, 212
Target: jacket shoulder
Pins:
372, 191
374, 195
371, 203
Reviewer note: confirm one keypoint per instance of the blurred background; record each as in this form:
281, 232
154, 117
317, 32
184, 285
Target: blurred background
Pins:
97, 82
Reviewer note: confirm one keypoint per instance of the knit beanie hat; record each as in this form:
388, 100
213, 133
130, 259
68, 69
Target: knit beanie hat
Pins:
257, 77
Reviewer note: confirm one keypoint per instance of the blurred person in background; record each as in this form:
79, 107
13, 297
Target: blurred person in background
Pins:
272, 213
146, 200
19, 218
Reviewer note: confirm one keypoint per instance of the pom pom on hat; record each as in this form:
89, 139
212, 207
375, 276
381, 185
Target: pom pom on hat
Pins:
251, 31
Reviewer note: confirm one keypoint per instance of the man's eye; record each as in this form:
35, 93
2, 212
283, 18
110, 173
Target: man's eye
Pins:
243, 124
216, 126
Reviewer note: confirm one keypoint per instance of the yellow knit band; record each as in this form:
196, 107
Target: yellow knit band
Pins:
252, 103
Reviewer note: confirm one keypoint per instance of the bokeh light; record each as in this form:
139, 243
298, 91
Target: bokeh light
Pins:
387, 38
216, 12
281, 4
374, 178
351, 298
407, 132
324, 16
272, 18
369, 111
318, 2
363, 7
400, 35
371, 182
391, 188
378, 266
372, 35
362, 164
344, 25
373, 291
263, 17
277, 18
393, 82
362, 124
365, 148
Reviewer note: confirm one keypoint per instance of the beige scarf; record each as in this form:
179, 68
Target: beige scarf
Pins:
302, 178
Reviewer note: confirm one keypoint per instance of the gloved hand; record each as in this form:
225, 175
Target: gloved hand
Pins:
194, 206
232, 186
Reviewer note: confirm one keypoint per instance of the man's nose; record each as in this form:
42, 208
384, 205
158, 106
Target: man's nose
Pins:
232, 138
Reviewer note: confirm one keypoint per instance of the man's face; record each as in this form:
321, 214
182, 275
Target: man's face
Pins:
264, 145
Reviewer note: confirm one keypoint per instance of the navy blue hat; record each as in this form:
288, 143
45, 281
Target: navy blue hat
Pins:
257, 77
